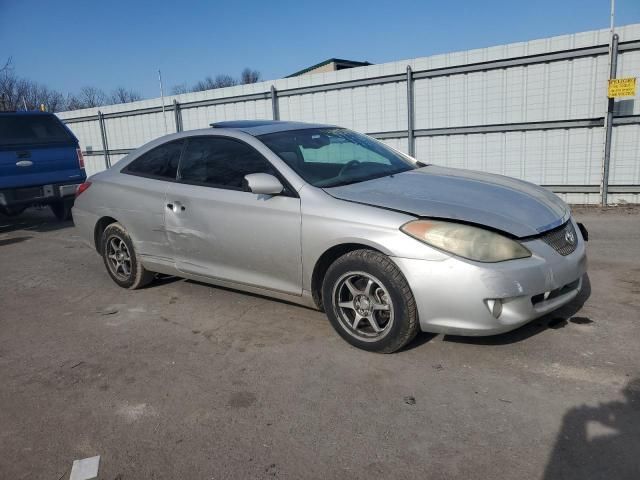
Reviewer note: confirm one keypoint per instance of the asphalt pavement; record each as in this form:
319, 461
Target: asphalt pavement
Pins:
182, 380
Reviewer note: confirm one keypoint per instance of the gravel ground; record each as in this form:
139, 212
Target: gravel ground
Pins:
185, 380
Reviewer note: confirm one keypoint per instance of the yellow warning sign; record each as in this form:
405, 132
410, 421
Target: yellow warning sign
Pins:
622, 87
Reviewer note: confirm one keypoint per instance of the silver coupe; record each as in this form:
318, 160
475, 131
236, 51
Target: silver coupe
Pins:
335, 220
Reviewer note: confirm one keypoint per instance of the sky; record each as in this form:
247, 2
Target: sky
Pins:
68, 44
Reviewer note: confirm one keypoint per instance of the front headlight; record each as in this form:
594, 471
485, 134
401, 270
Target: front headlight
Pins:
466, 241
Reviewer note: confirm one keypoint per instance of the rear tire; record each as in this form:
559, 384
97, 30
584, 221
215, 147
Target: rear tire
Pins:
121, 260
369, 302
62, 209
12, 211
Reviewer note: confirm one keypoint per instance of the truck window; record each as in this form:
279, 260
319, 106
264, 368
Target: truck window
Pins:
32, 130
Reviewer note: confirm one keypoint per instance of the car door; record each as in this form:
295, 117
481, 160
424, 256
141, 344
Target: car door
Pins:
218, 229
138, 199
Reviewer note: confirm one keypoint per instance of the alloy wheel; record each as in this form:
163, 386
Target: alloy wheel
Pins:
363, 305
119, 258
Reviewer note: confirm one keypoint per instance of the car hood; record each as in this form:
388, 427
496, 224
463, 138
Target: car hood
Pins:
502, 203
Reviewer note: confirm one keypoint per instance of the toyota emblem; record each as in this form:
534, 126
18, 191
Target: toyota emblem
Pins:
570, 237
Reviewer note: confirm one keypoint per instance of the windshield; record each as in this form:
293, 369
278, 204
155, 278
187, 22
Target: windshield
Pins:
329, 157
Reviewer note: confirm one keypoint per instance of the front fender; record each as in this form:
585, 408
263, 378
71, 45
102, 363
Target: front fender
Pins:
328, 222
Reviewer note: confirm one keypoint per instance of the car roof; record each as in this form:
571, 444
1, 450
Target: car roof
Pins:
263, 127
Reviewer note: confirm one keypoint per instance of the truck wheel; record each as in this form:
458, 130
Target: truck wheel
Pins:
12, 211
121, 260
62, 209
369, 302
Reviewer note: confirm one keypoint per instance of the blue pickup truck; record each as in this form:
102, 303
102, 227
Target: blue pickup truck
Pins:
40, 163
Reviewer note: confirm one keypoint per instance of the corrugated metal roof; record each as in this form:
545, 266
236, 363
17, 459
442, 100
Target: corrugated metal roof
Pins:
340, 61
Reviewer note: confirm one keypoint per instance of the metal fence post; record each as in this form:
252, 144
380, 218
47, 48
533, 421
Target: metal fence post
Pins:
274, 103
177, 115
410, 140
608, 126
105, 142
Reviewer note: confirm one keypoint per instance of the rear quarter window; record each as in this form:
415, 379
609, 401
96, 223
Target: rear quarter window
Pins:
32, 130
160, 163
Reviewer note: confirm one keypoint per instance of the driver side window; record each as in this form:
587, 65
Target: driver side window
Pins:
220, 163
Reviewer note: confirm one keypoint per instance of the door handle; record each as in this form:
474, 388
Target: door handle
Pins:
176, 207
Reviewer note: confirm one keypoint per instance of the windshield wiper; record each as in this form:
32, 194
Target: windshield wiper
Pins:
333, 183
339, 183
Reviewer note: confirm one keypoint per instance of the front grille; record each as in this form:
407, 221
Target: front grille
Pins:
563, 240
558, 292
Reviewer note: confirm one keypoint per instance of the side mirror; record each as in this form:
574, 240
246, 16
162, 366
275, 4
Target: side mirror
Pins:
263, 183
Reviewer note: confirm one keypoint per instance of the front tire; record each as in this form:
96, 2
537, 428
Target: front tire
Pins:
121, 260
369, 302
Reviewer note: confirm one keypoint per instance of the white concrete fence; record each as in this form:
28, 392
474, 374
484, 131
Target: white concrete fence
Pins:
532, 110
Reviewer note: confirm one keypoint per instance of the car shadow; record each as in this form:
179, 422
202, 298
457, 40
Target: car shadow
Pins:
554, 320
420, 339
599, 442
161, 279
13, 240
234, 290
33, 219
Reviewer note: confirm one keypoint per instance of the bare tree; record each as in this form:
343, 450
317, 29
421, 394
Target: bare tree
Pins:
88, 97
32, 94
92, 97
221, 81
7, 87
8, 84
179, 89
17, 93
73, 102
6, 66
207, 84
249, 76
225, 80
55, 102
122, 95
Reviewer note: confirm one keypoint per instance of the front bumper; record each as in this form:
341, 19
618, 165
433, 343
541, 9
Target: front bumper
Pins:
452, 295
